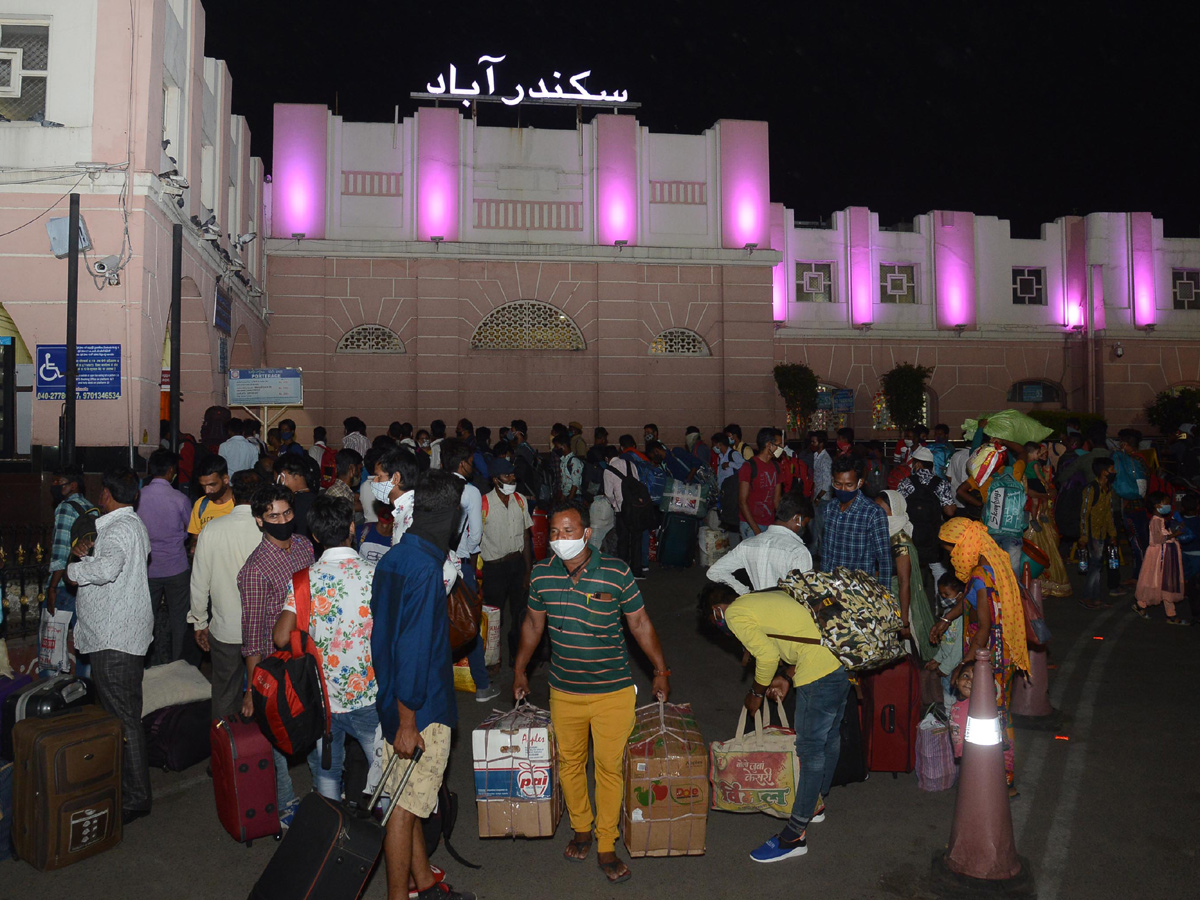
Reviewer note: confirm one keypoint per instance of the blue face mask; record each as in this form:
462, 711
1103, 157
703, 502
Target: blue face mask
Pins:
1164, 510
845, 496
721, 623
286, 436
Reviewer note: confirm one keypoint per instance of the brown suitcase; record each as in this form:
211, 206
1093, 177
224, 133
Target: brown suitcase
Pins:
66, 787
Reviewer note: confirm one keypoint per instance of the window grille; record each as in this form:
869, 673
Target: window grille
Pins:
679, 342
1028, 287
814, 282
1185, 288
527, 325
24, 60
370, 339
897, 284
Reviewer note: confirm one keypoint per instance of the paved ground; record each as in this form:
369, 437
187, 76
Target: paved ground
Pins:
1107, 813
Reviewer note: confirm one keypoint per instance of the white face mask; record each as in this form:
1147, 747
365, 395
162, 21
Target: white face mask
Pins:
778, 452
908, 442
565, 550
382, 491
508, 489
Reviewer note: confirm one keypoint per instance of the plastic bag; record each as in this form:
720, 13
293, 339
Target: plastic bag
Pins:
936, 770
1009, 425
53, 653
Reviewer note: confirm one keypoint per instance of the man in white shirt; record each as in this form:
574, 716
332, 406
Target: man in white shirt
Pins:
771, 554
238, 452
629, 545
437, 431
822, 469
356, 435
221, 551
458, 457
116, 623
317, 450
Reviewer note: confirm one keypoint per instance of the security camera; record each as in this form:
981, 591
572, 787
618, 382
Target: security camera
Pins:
107, 264
175, 190
1119, 350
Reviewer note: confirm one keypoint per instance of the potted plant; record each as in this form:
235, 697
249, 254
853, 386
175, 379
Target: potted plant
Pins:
797, 385
904, 391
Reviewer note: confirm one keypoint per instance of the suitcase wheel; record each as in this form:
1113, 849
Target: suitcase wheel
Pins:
243, 768
262, 763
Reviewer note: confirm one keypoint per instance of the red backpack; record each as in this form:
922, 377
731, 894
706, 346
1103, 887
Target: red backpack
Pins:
328, 468
291, 703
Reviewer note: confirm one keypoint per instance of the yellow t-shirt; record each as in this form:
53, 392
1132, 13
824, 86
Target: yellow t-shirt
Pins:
211, 511
753, 616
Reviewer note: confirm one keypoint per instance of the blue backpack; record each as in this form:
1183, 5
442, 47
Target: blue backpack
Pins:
941, 458
1004, 514
1131, 477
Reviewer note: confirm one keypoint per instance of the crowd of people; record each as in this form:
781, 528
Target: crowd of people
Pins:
209, 541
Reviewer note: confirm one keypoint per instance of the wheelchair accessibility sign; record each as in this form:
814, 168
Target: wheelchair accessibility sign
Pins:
99, 375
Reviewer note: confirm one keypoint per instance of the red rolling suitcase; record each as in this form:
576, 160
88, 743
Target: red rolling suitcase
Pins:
243, 767
330, 850
891, 712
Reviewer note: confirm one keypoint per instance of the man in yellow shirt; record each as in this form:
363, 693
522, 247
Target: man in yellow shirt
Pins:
217, 500
786, 645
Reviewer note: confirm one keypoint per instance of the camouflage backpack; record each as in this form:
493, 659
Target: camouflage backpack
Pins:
859, 619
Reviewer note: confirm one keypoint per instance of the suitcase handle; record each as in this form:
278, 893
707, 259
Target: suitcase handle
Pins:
417, 754
887, 718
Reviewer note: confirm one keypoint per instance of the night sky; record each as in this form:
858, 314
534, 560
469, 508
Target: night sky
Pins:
1024, 111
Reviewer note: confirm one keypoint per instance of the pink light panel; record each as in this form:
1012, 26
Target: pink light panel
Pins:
954, 264
1075, 295
780, 272
862, 279
616, 179
1141, 243
437, 173
745, 184
299, 166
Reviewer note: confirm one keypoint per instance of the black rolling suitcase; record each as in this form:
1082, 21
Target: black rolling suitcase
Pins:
330, 850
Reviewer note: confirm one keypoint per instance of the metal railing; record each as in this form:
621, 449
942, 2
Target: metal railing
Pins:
24, 569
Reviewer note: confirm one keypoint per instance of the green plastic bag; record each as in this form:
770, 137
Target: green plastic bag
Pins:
1009, 425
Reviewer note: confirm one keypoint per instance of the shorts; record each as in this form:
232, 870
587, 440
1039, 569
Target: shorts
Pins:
421, 793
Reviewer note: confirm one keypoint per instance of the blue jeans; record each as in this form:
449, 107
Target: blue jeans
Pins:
820, 706
361, 725
1095, 589
284, 794
479, 672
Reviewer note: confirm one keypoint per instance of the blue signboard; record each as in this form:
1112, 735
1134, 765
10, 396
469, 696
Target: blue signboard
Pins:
843, 401
99, 372
223, 314
266, 387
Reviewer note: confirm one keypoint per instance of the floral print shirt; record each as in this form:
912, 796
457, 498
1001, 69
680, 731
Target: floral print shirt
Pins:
340, 583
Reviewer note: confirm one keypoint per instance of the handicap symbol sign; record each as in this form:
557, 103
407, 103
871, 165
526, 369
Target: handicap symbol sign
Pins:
98, 372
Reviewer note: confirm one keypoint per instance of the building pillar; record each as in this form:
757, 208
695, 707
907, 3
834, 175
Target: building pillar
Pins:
954, 269
299, 171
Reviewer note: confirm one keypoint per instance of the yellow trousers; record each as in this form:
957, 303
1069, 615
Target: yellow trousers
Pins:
608, 719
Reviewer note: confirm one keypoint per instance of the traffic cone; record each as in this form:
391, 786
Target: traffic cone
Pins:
982, 854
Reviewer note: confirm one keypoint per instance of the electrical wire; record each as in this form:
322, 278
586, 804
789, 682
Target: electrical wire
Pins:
43, 212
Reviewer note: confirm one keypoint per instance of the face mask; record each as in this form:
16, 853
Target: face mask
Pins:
508, 489
648, 436
565, 550
845, 496
778, 452
1164, 510
286, 436
281, 531
424, 445
843, 446
382, 490
908, 442
722, 624
56, 493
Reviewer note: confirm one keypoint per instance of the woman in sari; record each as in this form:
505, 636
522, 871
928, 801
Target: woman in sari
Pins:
1042, 532
907, 584
995, 617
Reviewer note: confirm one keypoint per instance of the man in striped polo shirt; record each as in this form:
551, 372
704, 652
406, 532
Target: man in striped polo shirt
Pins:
581, 595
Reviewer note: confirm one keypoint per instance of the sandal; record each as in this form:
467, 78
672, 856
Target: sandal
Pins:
615, 871
1093, 605
1177, 620
1140, 610
577, 851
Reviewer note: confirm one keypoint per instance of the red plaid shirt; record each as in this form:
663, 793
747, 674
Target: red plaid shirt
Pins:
263, 583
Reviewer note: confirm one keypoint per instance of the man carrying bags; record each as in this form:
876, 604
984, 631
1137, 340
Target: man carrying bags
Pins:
786, 644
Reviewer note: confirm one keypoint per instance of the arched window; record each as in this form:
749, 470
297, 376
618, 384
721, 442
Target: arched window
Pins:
1034, 391
527, 325
833, 405
370, 339
881, 419
678, 342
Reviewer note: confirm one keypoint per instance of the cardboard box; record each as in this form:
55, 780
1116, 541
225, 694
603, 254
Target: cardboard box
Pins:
514, 755
505, 817
666, 783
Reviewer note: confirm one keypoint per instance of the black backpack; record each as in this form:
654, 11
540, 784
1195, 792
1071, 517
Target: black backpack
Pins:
84, 525
637, 510
439, 825
925, 513
1069, 507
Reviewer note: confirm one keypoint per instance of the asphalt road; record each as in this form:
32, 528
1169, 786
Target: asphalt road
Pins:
1108, 812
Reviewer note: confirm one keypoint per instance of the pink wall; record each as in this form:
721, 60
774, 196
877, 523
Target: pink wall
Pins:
1141, 253
862, 277
745, 184
299, 170
954, 267
616, 179
438, 155
1074, 309
779, 274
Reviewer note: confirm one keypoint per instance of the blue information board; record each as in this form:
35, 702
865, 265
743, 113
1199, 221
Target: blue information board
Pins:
99, 372
266, 387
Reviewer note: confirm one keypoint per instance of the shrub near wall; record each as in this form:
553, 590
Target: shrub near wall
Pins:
1057, 419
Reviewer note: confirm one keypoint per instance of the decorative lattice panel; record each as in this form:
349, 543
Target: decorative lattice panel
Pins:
527, 325
678, 342
370, 339
372, 184
529, 215
687, 193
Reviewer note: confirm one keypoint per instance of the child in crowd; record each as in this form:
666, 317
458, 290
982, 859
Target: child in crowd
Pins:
949, 649
962, 680
1161, 579
375, 538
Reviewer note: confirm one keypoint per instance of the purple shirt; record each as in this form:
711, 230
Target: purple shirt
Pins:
165, 513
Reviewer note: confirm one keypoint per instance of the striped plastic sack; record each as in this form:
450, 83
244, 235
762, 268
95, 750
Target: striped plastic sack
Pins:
936, 770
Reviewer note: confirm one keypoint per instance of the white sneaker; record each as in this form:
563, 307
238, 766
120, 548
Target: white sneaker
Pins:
488, 693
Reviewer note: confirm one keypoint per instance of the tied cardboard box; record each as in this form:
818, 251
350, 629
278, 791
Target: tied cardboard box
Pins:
514, 755
505, 817
666, 783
